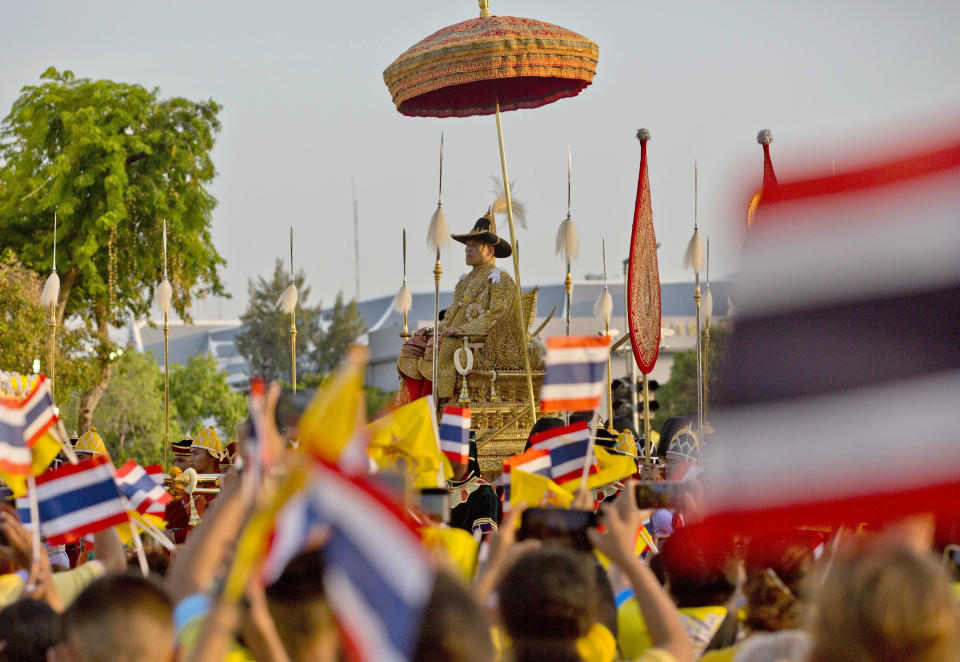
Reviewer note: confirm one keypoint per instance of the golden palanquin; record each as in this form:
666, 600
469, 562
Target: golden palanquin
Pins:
492, 382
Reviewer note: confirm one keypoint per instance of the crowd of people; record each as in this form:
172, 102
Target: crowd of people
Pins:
800, 595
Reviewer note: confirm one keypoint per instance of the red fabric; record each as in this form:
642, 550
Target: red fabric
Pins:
643, 279
769, 177
479, 98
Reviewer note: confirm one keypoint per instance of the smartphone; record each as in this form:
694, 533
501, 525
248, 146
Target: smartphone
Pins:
558, 525
435, 502
290, 408
661, 493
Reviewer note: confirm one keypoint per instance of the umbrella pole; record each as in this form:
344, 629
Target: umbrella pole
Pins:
437, 272
516, 270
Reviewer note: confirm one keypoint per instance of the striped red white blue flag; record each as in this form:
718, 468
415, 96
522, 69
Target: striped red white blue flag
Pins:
569, 447
532, 461
22, 424
77, 499
377, 574
576, 373
143, 487
455, 434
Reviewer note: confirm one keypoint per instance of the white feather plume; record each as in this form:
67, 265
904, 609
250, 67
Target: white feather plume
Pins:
500, 204
404, 301
603, 308
707, 306
164, 296
568, 242
693, 258
288, 300
438, 236
51, 291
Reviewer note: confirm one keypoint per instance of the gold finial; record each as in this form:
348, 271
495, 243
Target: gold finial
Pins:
484, 8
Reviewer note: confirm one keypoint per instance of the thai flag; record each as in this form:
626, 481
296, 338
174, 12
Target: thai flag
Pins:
840, 402
377, 574
15, 457
22, 424
77, 499
455, 434
568, 447
143, 488
576, 373
39, 413
533, 462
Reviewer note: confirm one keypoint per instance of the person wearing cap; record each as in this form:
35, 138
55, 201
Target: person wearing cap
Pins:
181, 452
483, 296
206, 451
89, 444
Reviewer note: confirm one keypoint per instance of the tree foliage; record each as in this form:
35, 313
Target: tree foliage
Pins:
112, 160
678, 397
344, 324
200, 392
266, 341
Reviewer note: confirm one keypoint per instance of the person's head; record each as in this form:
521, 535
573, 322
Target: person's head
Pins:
699, 571
455, 628
547, 602
482, 242
182, 462
884, 603
776, 571
298, 606
181, 452
27, 629
89, 444
118, 618
542, 425
206, 451
477, 253
678, 444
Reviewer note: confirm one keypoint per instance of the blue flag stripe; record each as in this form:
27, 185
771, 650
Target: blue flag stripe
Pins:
454, 433
76, 499
575, 373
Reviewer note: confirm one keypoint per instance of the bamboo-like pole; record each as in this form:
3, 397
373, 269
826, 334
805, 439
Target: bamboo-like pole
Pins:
293, 327
647, 441
437, 272
516, 271
166, 393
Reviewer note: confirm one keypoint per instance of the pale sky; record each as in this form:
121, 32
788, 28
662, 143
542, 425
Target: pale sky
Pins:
306, 110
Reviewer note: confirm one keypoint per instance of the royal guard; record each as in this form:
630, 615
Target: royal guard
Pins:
206, 453
483, 296
177, 513
181, 452
89, 444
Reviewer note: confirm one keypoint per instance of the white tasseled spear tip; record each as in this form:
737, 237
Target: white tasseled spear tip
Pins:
603, 308
404, 301
438, 236
568, 243
707, 305
287, 302
51, 291
694, 255
164, 296
765, 137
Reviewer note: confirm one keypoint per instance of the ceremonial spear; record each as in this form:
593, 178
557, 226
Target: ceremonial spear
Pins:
404, 300
707, 314
438, 236
568, 243
693, 258
48, 299
603, 308
288, 304
164, 296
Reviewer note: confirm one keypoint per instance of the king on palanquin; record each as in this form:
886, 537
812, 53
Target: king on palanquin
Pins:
481, 298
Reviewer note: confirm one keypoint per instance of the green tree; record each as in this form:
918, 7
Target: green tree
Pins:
344, 324
678, 397
199, 391
266, 341
112, 160
130, 415
25, 332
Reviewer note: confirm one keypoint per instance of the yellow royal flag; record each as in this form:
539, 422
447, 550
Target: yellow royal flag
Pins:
454, 546
537, 491
613, 467
337, 412
406, 440
124, 532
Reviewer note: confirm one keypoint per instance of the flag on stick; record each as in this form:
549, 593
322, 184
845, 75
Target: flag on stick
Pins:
532, 461
30, 437
455, 434
576, 373
143, 487
569, 449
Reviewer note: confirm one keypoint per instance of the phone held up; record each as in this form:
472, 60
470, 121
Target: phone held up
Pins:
558, 525
661, 494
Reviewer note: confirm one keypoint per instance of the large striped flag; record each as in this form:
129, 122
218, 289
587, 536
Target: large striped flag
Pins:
569, 448
377, 574
840, 398
77, 499
455, 434
576, 373
143, 487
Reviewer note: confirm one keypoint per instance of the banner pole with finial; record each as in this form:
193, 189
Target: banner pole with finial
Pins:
53, 317
437, 237
707, 306
697, 297
164, 296
406, 310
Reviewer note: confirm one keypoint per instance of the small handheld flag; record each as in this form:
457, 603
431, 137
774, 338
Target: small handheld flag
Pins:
569, 449
576, 373
143, 487
455, 434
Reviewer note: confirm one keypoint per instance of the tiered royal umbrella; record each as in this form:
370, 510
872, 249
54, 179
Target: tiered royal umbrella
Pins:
487, 65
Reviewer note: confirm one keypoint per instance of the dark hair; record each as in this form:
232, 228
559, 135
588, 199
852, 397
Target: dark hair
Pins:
776, 571
454, 629
27, 629
547, 601
298, 604
670, 428
697, 570
578, 416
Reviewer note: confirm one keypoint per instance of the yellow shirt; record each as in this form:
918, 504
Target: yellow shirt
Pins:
69, 583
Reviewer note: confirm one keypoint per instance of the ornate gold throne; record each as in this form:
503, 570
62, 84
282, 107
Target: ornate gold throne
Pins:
492, 381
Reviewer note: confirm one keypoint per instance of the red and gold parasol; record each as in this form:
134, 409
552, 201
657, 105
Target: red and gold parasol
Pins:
485, 65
